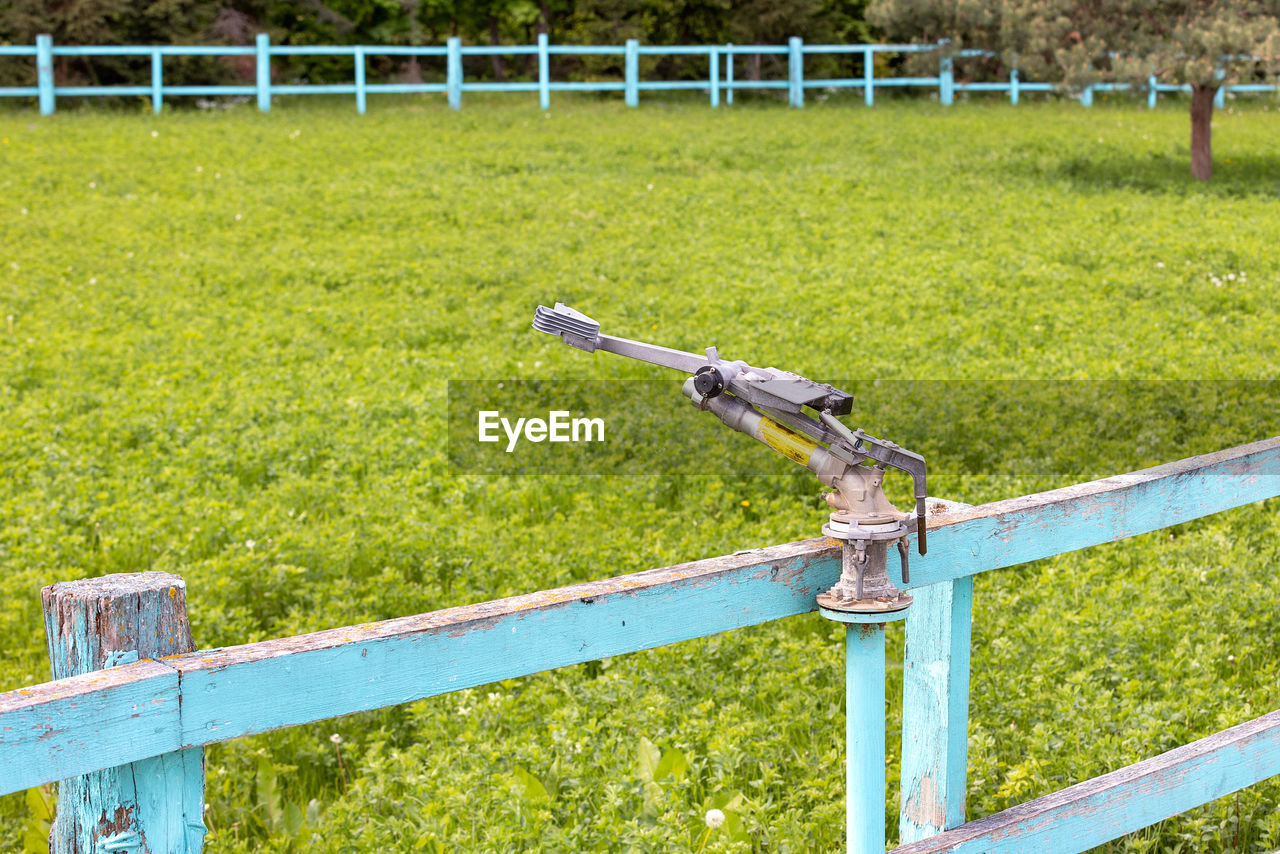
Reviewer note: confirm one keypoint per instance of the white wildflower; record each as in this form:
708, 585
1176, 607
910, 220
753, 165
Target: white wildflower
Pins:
237, 217
335, 738
154, 134
715, 818
1159, 265
249, 544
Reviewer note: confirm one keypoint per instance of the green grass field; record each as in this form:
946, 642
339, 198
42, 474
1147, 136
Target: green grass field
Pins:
224, 343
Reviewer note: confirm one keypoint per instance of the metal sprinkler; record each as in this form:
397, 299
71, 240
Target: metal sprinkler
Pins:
773, 406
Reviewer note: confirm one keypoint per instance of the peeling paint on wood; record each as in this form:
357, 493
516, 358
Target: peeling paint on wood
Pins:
365, 667
935, 704
1093, 812
83, 723
144, 806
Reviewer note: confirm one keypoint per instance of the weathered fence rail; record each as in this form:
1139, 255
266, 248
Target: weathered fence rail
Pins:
720, 72
159, 711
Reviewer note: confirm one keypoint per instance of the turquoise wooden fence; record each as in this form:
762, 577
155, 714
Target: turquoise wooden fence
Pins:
720, 83
151, 718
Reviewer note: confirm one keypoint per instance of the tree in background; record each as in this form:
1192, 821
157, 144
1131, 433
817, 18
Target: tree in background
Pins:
1081, 42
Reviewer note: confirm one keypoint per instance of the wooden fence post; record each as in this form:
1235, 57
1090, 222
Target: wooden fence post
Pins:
728, 74
935, 705
154, 806
714, 79
44, 73
361, 92
263, 44
453, 71
544, 74
795, 70
157, 81
631, 71
868, 77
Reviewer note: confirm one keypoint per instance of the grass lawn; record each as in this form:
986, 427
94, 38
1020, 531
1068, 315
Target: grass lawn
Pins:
224, 346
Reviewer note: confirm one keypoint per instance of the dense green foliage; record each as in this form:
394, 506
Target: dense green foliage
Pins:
224, 346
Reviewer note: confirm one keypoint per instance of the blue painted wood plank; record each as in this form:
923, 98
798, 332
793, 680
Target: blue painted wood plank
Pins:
1019, 530
586, 50
82, 91
1093, 812
83, 723
935, 704
340, 671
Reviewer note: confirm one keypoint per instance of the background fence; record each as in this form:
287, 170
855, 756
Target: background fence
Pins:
720, 80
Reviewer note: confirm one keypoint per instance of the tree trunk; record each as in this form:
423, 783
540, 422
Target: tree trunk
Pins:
544, 18
493, 40
1201, 130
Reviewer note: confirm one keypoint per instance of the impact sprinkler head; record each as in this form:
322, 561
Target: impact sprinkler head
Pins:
777, 408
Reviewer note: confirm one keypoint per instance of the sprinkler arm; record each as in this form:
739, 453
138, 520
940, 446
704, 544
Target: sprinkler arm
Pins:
769, 405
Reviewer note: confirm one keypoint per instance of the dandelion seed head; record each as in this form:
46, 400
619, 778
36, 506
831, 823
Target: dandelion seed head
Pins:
715, 818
